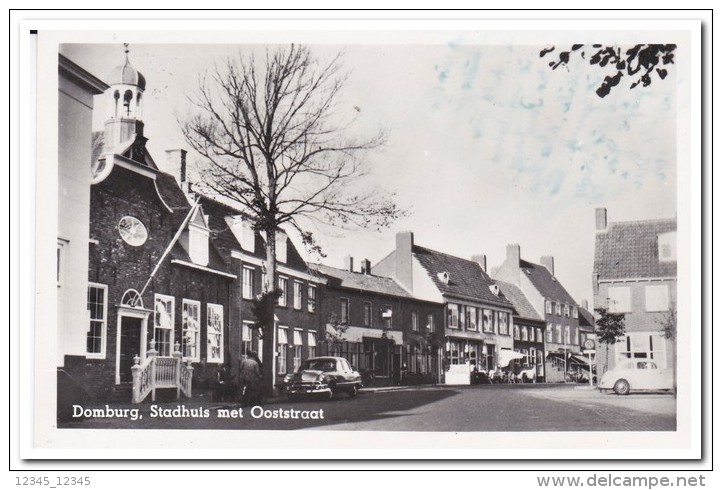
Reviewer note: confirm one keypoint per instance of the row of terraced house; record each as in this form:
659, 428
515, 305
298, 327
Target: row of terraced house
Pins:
127, 299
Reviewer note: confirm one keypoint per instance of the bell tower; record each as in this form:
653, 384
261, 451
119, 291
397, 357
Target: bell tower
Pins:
125, 110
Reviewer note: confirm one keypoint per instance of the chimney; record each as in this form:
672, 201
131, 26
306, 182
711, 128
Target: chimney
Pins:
585, 304
404, 259
601, 218
481, 260
366, 266
548, 262
348, 263
176, 166
513, 255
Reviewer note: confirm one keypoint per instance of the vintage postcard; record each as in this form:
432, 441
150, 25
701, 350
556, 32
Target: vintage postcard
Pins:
468, 240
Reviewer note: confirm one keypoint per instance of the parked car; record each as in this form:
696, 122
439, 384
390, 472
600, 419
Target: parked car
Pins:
323, 376
526, 374
636, 375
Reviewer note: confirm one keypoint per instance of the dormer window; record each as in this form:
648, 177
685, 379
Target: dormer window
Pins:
443, 277
494, 289
195, 238
667, 245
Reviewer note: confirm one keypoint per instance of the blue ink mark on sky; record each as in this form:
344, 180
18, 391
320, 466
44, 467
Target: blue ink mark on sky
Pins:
532, 105
546, 151
575, 145
556, 178
566, 106
659, 169
471, 67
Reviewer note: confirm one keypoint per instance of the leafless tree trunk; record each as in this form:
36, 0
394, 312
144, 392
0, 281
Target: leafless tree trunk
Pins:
276, 141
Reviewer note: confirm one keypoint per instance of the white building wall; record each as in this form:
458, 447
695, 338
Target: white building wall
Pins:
74, 155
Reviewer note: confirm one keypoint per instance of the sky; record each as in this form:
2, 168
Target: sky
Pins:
487, 145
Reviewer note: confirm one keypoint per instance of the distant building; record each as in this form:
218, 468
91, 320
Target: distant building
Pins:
552, 301
528, 329
298, 321
380, 327
635, 273
478, 322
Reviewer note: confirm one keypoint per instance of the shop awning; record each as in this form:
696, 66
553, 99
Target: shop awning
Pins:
506, 356
418, 339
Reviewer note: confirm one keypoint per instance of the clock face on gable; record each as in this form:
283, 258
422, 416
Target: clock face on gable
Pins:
133, 231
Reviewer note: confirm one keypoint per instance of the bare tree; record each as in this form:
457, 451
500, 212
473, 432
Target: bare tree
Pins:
274, 140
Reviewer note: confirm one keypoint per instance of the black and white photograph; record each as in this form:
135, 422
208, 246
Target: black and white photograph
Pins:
451, 238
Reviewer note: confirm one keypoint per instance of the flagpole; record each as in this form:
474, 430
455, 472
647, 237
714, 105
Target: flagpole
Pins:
168, 249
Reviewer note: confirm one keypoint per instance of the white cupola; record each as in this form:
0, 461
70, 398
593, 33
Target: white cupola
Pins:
124, 104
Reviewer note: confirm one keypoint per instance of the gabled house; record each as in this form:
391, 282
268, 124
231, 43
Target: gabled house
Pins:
550, 300
528, 332
157, 286
478, 318
635, 273
390, 336
297, 315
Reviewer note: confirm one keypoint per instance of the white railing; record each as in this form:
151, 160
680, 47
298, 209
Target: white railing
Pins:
161, 372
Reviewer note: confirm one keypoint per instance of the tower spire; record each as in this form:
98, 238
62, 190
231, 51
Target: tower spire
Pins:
126, 53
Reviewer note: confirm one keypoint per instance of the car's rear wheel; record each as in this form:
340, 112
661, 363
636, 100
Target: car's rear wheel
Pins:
621, 387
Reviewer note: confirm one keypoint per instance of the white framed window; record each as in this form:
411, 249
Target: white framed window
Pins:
297, 348
246, 338
524, 334
503, 323
548, 306
656, 297
430, 323
558, 308
387, 316
550, 333
539, 336
311, 299
643, 345
297, 295
462, 316
283, 287
215, 333
471, 318
248, 282
452, 312
575, 312
488, 323
344, 311
567, 335
191, 323
414, 321
517, 335
98, 318
282, 349
311, 343
567, 311
164, 322
560, 338
619, 299
60, 264
531, 334
367, 314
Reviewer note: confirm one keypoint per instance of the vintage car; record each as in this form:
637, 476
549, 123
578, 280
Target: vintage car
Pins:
323, 376
525, 374
636, 375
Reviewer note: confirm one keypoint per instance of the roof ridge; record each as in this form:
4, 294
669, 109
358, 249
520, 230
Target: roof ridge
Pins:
643, 221
447, 255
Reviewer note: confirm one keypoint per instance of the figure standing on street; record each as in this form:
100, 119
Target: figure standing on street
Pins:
250, 379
